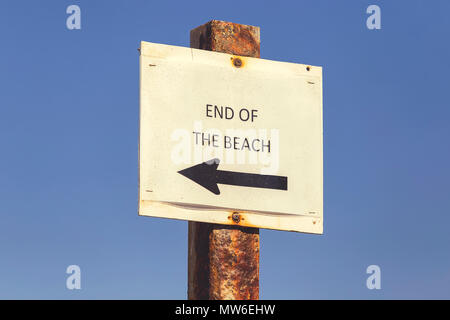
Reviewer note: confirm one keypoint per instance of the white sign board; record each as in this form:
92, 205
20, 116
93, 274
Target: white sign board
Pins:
221, 134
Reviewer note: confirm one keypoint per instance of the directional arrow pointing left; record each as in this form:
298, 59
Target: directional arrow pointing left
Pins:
207, 175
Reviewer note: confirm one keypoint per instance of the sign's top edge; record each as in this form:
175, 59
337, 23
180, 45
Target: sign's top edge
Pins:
165, 51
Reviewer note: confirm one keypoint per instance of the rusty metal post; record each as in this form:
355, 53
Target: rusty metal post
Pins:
223, 261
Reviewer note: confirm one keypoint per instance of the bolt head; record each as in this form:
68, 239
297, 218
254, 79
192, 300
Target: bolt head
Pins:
237, 62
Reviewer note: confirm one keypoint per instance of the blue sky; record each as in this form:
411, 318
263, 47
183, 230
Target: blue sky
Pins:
69, 136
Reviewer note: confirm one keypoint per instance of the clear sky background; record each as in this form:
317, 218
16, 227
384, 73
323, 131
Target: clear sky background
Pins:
69, 109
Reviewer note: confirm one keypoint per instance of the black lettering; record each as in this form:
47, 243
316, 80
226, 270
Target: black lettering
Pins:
247, 114
235, 143
196, 136
245, 144
253, 145
208, 110
254, 114
266, 145
227, 142
218, 111
215, 138
227, 115
205, 139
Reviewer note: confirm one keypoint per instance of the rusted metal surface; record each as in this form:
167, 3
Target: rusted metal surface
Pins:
224, 260
227, 37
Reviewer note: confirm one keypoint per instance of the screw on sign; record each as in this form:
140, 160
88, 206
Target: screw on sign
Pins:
237, 62
236, 217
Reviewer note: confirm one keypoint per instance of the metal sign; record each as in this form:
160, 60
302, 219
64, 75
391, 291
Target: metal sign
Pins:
224, 136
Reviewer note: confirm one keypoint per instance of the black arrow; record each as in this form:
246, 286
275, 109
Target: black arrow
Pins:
207, 175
